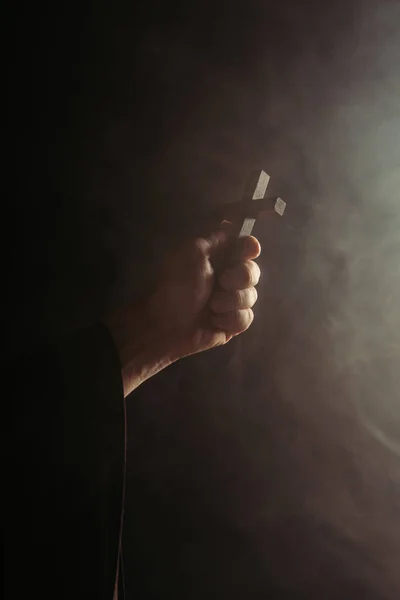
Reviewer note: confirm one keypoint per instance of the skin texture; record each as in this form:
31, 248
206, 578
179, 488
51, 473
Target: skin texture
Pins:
193, 309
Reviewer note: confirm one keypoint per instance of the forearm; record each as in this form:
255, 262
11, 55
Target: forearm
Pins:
64, 449
143, 348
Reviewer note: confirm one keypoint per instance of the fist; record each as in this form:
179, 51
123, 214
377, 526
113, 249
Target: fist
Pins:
198, 306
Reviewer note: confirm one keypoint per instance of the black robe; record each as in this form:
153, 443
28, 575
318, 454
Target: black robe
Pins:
65, 456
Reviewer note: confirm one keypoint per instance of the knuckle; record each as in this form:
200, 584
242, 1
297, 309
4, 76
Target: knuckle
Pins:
243, 320
223, 302
234, 322
251, 297
247, 274
242, 277
252, 271
247, 318
255, 272
237, 300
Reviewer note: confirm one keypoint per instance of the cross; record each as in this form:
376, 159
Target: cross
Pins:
245, 213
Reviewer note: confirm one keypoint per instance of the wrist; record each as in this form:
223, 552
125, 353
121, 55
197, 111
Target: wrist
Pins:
142, 348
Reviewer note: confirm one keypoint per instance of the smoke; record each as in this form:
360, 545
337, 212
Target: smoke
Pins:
316, 102
333, 119
351, 245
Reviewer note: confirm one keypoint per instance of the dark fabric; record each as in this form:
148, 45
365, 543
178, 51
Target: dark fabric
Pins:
65, 457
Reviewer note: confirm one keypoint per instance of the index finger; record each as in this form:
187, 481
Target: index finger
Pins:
247, 248
243, 248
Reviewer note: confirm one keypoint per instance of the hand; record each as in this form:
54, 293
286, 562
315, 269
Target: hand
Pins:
190, 311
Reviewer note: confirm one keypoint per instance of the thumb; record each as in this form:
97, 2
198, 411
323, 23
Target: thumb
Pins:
215, 243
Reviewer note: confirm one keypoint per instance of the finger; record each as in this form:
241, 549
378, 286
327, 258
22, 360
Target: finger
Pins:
247, 248
213, 244
221, 302
233, 322
244, 275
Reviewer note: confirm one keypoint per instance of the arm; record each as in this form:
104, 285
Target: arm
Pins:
64, 455
188, 313
65, 439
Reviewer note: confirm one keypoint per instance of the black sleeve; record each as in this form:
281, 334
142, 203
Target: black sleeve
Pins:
65, 457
